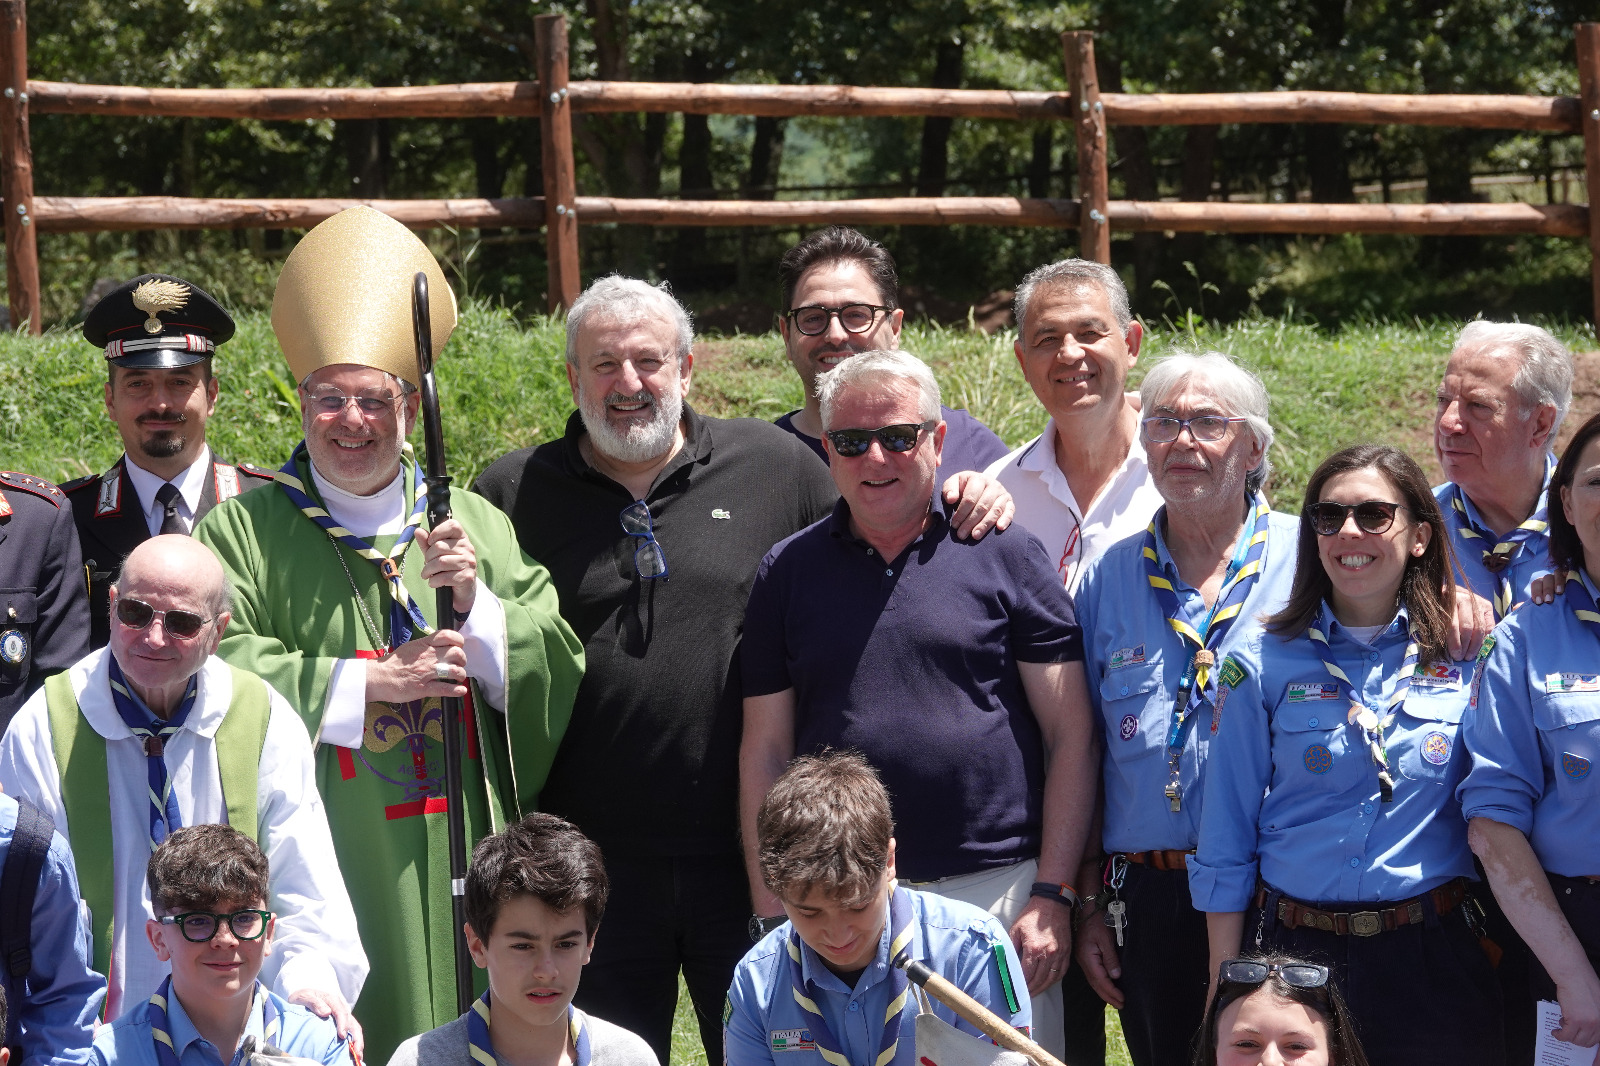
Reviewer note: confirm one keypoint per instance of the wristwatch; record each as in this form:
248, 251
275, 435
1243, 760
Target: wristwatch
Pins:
760, 927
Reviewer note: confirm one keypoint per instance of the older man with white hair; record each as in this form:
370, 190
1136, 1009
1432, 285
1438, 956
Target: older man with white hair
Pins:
1501, 401
652, 518
1160, 612
954, 667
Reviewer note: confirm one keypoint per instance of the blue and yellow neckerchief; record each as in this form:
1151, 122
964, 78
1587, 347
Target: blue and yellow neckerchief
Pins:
481, 1048
154, 733
1371, 725
1200, 645
1498, 559
900, 933
1582, 602
161, 1025
405, 617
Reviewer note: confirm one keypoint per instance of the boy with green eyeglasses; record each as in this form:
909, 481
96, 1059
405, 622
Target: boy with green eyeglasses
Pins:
208, 888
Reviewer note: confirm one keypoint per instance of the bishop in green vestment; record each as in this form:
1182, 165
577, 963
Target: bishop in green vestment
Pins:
335, 586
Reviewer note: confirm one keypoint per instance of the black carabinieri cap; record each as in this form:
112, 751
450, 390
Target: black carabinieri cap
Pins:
157, 321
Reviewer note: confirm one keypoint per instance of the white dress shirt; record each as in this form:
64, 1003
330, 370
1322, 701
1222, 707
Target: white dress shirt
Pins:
190, 484
316, 944
344, 719
1048, 510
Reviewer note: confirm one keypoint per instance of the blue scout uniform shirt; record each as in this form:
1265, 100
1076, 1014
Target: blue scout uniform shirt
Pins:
968, 443
764, 1025
1530, 560
129, 1043
1292, 791
1533, 730
914, 662
1135, 660
63, 994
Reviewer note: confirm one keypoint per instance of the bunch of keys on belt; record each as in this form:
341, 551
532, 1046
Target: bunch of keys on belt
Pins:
1116, 910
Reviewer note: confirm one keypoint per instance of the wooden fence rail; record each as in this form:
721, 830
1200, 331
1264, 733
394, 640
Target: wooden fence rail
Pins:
553, 99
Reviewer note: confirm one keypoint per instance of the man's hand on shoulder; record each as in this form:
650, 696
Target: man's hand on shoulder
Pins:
332, 1005
435, 665
981, 504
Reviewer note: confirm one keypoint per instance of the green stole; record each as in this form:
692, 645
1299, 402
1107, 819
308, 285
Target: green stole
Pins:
80, 755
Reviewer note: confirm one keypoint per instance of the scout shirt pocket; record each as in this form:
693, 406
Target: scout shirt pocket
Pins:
1567, 715
19, 610
1313, 748
1125, 695
1425, 730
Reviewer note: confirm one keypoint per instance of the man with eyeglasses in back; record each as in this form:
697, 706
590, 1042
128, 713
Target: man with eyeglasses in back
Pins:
154, 732
338, 590
955, 668
841, 295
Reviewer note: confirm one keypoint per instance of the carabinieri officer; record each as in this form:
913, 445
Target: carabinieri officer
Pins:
159, 333
1332, 778
1215, 556
1533, 730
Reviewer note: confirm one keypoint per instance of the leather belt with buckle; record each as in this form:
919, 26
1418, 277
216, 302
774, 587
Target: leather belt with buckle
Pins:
1161, 860
1292, 914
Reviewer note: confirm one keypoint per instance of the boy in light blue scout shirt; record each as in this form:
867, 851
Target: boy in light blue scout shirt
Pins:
1330, 791
1533, 730
823, 985
1214, 558
208, 888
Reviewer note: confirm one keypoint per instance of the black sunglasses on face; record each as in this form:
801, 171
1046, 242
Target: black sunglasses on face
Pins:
849, 443
1373, 516
1297, 974
855, 318
137, 614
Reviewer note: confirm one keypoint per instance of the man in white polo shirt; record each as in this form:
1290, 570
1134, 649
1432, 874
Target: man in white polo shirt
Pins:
1082, 484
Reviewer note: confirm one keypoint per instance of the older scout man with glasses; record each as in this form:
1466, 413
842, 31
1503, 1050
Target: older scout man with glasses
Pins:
155, 714
955, 668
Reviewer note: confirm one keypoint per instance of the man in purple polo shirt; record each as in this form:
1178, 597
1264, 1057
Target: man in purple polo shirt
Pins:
955, 668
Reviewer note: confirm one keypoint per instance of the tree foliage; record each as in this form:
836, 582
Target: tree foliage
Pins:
1511, 46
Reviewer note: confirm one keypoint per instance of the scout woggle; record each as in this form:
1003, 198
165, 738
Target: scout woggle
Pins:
1360, 714
900, 933
153, 734
1498, 559
1200, 644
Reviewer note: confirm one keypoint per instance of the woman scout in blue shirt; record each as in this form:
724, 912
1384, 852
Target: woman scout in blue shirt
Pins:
1533, 730
1330, 812
1214, 557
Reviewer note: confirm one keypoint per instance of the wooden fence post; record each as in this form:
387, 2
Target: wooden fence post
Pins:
560, 175
1589, 114
1094, 184
16, 177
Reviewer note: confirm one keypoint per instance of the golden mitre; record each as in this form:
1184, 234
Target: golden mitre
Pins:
345, 296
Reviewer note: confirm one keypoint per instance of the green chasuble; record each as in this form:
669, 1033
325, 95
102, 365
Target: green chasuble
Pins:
295, 614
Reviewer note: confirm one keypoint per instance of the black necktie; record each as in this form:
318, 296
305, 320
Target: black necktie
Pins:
167, 497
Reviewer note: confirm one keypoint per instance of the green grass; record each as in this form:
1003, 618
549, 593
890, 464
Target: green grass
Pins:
503, 386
